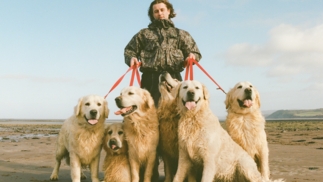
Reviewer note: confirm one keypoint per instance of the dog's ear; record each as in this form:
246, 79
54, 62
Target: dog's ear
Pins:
228, 99
106, 108
205, 92
257, 97
77, 108
148, 100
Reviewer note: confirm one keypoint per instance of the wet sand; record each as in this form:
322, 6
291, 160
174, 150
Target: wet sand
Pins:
27, 151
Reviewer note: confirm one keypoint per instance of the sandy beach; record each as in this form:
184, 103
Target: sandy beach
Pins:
27, 151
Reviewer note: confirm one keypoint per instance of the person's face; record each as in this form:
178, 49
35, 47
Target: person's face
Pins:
160, 11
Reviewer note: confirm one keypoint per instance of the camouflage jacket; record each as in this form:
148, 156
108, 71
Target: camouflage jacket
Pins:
161, 47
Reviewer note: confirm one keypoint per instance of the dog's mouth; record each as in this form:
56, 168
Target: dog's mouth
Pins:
245, 103
126, 110
191, 104
91, 121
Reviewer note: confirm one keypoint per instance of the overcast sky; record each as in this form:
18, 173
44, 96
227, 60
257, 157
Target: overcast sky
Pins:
54, 52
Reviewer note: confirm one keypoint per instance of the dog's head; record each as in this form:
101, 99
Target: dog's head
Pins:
242, 98
166, 85
191, 95
133, 99
114, 140
92, 108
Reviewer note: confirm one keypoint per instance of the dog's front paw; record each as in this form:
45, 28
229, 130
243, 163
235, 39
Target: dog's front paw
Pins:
53, 177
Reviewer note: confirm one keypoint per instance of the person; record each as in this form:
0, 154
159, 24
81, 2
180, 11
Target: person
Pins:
160, 47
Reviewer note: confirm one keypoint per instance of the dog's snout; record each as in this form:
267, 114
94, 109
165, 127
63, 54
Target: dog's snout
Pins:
248, 91
93, 112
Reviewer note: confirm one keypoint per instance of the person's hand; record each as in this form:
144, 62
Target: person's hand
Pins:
134, 61
190, 56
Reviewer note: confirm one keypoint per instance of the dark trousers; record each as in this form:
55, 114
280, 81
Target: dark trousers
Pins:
150, 81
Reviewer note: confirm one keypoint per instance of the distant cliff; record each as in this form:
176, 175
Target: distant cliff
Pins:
296, 114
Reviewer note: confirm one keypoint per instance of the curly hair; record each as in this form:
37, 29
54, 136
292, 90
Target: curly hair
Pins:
169, 6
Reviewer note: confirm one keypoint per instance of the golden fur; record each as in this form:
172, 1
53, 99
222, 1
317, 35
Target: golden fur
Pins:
141, 131
205, 144
168, 124
246, 125
80, 138
116, 165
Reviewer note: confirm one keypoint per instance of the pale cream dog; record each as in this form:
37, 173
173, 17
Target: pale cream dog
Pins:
116, 165
168, 125
246, 125
80, 138
204, 143
141, 131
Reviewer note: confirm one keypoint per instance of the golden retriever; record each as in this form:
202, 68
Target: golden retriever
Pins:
246, 125
141, 131
80, 138
168, 124
116, 165
205, 144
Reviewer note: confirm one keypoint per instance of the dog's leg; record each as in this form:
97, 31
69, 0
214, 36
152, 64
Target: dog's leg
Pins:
248, 168
209, 168
135, 169
167, 167
94, 167
264, 163
75, 168
184, 166
150, 166
54, 175
61, 152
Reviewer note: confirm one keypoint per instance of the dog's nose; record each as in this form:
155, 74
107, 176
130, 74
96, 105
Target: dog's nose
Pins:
112, 141
93, 112
190, 94
117, 99
248, 91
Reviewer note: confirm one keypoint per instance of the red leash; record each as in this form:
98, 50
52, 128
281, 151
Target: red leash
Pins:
135, 73
189, 69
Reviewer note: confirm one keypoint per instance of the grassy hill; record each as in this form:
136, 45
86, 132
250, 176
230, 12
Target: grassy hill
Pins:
297, 114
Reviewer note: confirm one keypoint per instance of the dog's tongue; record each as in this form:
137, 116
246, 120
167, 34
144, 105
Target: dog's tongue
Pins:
247, 103
123, 110
190, 105
113, 147
92, 121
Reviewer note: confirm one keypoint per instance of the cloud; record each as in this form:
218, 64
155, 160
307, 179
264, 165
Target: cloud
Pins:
289, 52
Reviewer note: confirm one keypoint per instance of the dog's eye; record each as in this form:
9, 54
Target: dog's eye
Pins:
87, 104
240, 86
185, 87
120, 132
197, 88
250, 86
99, 104
110, 132
130, 93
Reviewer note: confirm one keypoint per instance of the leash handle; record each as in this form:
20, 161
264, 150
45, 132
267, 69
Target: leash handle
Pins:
135, 72
189, 69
